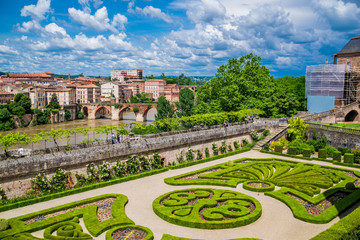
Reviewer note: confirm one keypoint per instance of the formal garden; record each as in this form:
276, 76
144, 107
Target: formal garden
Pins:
314, 193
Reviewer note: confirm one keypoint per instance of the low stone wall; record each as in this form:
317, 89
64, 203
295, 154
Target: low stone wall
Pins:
337, 136
15, 174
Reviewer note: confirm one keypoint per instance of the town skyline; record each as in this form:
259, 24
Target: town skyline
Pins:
193, 37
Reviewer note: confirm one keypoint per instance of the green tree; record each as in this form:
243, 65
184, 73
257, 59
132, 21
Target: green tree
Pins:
10, 139
240, 84
297, 129
54, 103
67, 115
5, 115
18, 110
295, 86
281, 104
24, 101
186, 102
164, 108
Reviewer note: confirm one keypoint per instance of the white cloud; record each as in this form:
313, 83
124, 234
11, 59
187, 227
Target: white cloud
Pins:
38, 11
150, 11
30, 26
7, 49
341, 16
206, 11
55, 29
100, 21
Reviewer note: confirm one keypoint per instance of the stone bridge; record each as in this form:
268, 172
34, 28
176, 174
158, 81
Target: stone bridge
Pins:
347, 113
99, 110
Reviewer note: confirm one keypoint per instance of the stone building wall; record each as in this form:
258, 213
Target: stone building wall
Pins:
15, 174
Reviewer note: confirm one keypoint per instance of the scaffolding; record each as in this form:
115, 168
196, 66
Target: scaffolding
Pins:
333, 80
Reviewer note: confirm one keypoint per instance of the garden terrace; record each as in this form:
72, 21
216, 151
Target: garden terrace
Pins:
134, 210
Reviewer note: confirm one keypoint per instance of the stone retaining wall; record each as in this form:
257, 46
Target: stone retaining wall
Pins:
15, 174
337, 136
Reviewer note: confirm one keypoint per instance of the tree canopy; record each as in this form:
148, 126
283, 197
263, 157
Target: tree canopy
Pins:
186, 102
164, 109
54, 103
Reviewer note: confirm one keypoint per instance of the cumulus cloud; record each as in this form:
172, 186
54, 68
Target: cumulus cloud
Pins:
340, 15
37, 11
30, 26
55, 29
206, 11
81, 42
99, 21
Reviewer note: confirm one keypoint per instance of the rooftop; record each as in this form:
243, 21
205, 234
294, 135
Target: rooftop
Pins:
353, 46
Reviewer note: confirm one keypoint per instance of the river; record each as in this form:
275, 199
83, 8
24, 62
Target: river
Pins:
128, 118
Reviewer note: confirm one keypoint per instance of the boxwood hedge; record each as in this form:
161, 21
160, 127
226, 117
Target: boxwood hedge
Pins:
19, 226
206, 208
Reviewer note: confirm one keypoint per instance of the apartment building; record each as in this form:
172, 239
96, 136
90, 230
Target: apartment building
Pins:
125, 75
38, 97
64, 95
88, 94
6, 97
156, 87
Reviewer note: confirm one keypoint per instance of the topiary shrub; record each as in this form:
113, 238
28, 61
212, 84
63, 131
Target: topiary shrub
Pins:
356, 153
3, 224
292, 151
349, 158
330, 151
306, 152
278, 148
350, 186
207, 152
322, 153
337, 156
343, 150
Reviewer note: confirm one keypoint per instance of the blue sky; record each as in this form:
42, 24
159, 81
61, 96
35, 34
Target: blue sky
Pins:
193, 37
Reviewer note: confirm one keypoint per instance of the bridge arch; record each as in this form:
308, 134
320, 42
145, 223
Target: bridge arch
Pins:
85, 111
149, 114
103, 112
352, 116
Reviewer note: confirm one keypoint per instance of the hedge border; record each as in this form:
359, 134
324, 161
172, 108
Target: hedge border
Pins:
92, 223
343, 228
255, 189
299, 211
149, 236
193, 223
170, 237
313, 158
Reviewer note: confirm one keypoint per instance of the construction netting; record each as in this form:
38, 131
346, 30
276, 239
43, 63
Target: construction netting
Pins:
325, 80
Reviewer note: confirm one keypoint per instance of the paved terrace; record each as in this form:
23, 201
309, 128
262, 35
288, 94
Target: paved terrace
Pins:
276, 222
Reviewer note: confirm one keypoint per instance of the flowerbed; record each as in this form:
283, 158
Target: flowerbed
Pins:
130, 232
207, 208
103, 211
323, 205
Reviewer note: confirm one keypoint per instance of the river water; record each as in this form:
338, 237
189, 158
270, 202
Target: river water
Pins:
128, 117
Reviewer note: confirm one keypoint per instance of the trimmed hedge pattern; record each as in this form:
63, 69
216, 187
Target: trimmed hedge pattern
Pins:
207, 208
337, 156
322, 153
297, 179
66, 224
